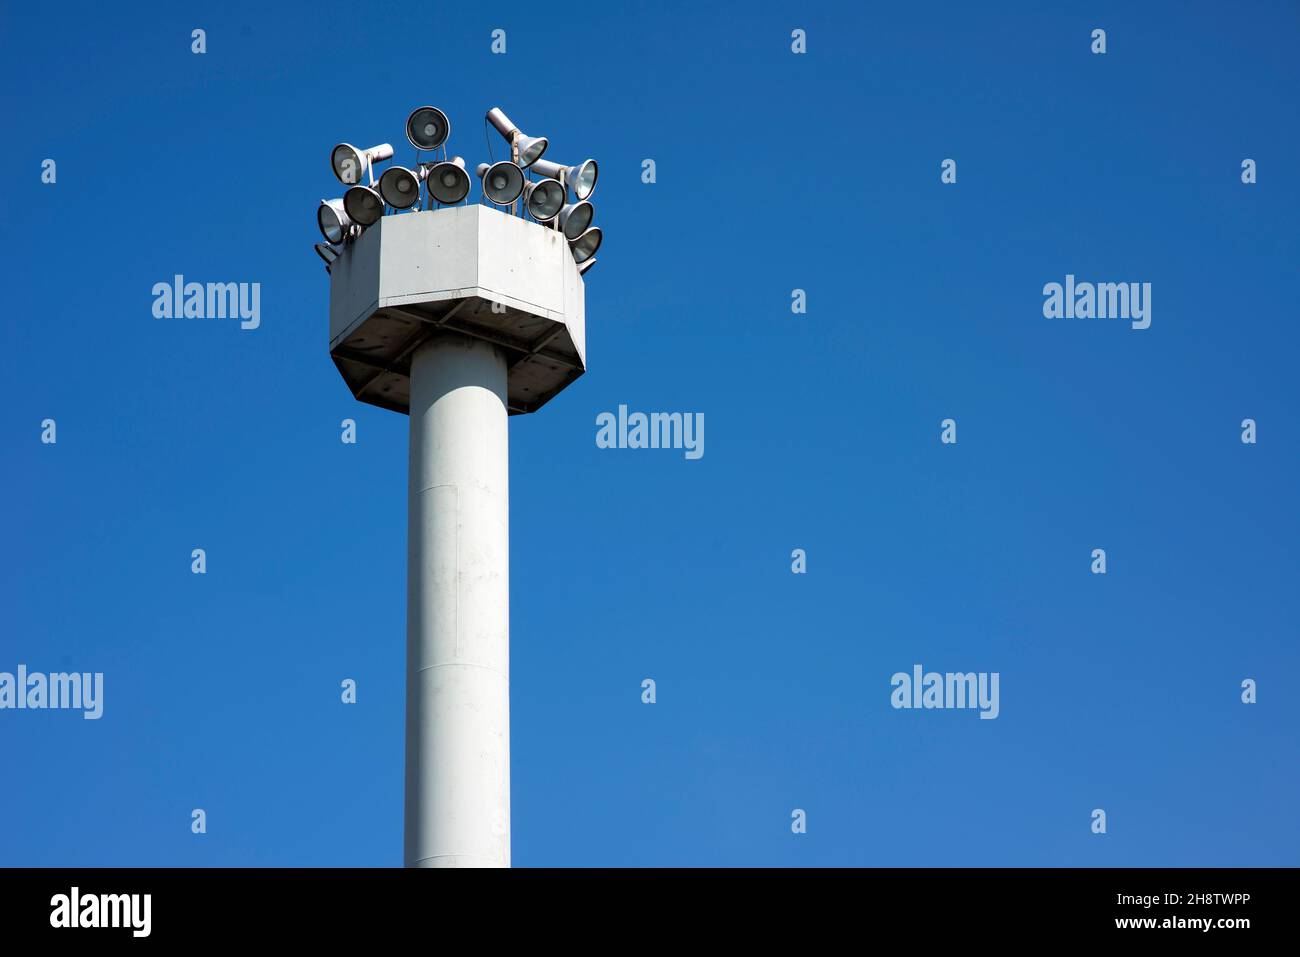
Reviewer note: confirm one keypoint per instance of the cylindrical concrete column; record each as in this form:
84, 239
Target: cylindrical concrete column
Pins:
458, 609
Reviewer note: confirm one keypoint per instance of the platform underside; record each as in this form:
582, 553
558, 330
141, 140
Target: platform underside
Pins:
375, 360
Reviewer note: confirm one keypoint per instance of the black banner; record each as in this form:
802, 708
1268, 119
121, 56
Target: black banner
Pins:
483, 908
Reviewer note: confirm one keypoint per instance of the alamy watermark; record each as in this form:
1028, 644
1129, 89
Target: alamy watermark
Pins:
214, 300
75, 909
80, 691
657, 430
1103, 300
931, 689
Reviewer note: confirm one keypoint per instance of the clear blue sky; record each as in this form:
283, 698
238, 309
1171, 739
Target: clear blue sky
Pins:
775, 172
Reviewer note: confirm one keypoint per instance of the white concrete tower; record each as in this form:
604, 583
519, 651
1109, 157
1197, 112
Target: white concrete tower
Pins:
460, 317
458, 608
